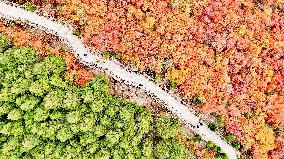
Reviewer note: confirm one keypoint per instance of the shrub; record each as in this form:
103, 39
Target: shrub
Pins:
212, 127
236, 145
76, 32
106, 55
117, 56
4, 43
219, 154
196, 138
30, 7
210, 146
199, 99
220, 121
230, 138
172, 85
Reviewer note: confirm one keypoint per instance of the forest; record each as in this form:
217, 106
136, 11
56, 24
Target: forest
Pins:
224, 58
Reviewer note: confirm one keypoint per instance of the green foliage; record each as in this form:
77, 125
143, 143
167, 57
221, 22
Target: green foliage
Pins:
236, 145
167, 127
44, 116
49, 66
172, 85
106, 55
39, 87
15, 114
221, 156
171, 149
158, 79
117, 56
212, 127
199, 99
76, 32
210, 146
196, 138
4, 43
220, 121
147, 147
230, 138
30, 7
246, 115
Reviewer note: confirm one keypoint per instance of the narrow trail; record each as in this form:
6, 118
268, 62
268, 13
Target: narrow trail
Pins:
91, 59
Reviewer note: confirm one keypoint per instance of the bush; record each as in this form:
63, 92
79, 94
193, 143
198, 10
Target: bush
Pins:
4, 43
230, 138
199, 99
211, 146
30, 7
196, 138
212, 127
220, 121
172, 85
222, 156
237, 145
106, 55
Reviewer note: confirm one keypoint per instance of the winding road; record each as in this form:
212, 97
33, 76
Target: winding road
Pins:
118, 72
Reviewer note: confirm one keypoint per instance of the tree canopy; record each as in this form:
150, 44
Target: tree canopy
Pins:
42, 115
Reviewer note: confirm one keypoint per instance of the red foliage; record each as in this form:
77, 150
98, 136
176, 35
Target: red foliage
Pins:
278, 152
230, 51
82, 74
274, 110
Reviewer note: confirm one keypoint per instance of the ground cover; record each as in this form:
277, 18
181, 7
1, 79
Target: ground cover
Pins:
224, 57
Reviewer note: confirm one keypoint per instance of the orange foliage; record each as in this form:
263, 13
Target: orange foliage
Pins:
21, 37
274, 110
252, 132
231, 51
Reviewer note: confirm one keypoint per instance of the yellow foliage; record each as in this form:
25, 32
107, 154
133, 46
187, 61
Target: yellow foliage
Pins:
131, 10
178, 75
183, 5
256, 50
150, 21
264, 42
242, 30
146, 4
280, 2
255, 133
270, 74
265, 139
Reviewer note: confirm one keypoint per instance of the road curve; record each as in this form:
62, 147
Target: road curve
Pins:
93, 60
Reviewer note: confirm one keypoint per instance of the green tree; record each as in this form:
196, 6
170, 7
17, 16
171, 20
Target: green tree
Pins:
4, 43
171, 149
166, 127
44, 116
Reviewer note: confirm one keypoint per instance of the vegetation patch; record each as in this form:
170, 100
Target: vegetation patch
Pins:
42, 115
